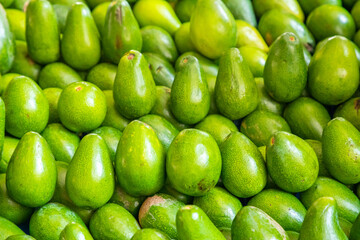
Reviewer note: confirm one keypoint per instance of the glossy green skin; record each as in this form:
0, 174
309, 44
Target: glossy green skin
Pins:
164, 130
357, 38
2, 125
283, 207
113, 118
31, 173
99, 15
20, 237
242, 10
75, 231
162, 107
102, 75
184, 9
130, 203
321, 221
57, 75
134, 86
10, 209
348, 204
226, 233
61, 12
307, 118
62, 142
8, 228
266, 102
53, 95
220, 206
27, 108
158, 13
338, 21
212, 28
5, 80
42, 33
168, 189
217, 126
10, 144
209, 67
121, 31
355, 230
7, 43
182, 38
345, 226
193, 163
157, 40
355, 12
192, 224
16, 19
242, 162
255, 58
341, 149
293, 235
259, 126
50, 220
285, 71
23, 64
253, 223
309, 5
65, 2
162, 70
248, 35
190, 97
60, 194
149, 233
159, 212
317, 146
6, 3
82, 107
289, 6
113, 222
112, 137
350, 111
140, 170
80, 44
235, 86
332, 82
90, 178
276, 22
291, 162
211, 80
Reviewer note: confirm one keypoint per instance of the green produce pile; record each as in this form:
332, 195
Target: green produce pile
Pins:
179, 119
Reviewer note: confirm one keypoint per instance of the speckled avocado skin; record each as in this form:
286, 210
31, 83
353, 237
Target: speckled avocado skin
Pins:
7, 228
350, 110
75, 231
2, 125
57, 75
7, 40
355, 230
150, 233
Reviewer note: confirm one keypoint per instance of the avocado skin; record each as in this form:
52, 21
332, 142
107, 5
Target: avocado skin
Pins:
102, 75
7, 228
184, 9
242, 10
307, 118
53, 95
355, 230
348, 204
2, 125
350, 111
74, 231
267, 103
248, 35
7, 46
10, 144
345, 226
99, 15
255, 58
309, 5
162, 70
317, 146
293, 235
20, 237
341, 149
289, 6
182, 38
57, 75
16, 19
112, 137
210, 68
149, 233
113, 118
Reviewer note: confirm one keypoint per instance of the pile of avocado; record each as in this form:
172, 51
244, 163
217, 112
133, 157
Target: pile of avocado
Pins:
179, 119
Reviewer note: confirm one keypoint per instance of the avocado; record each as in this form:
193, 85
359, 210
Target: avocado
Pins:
53, 95
5, 80
321, 221
193, 162
255, 58
20, 237
57, 75
183, 39
7, 43
211, 81
168, 189
235, 86
75, 231
350, 111
102, 75
355, 230
345, 226
210, 68
112, 137
242, 10
355, 12
60, 194
309, 5
248, 35
121, 32
242, 163
113, 222
162, 70
7, 228
289, 6
150, 233
184, 9
341, 149
317, 147
2, 125
193, 224
266, 102
16, 19
99, 15
61, 12
10, 144
212, 28
113, 118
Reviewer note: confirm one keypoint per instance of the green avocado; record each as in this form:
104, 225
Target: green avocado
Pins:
111, 136
193, 163
60, 194
341, 149
162, 70
209, 67
242, 10
113, 118
307, 118
50, 220
42, 33
317, 146
183, 39
350, 111
75, 231
57, 75
333, 82
242, 162
27, 108
5, 80
355, 12
248, 35
121, 32
212, 28
220, 206
150, 233
10, 144
113, 222
291, 162
53, 95
255, 58
184, 9
283, 207
267, 103
253, 223
168, 189
190, 97
134, 86
61, 12
20, 237
345, 226
140, 160
321, 221
7, 229
309, 5
211, 81
289, 6
355, 230
285, 72
99, 15
348, 205
192, 224
16, 19
90, 180
130, 203
80, 43
102, 75
7, 43
259, 126
235, 86
159, 212
2, 125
